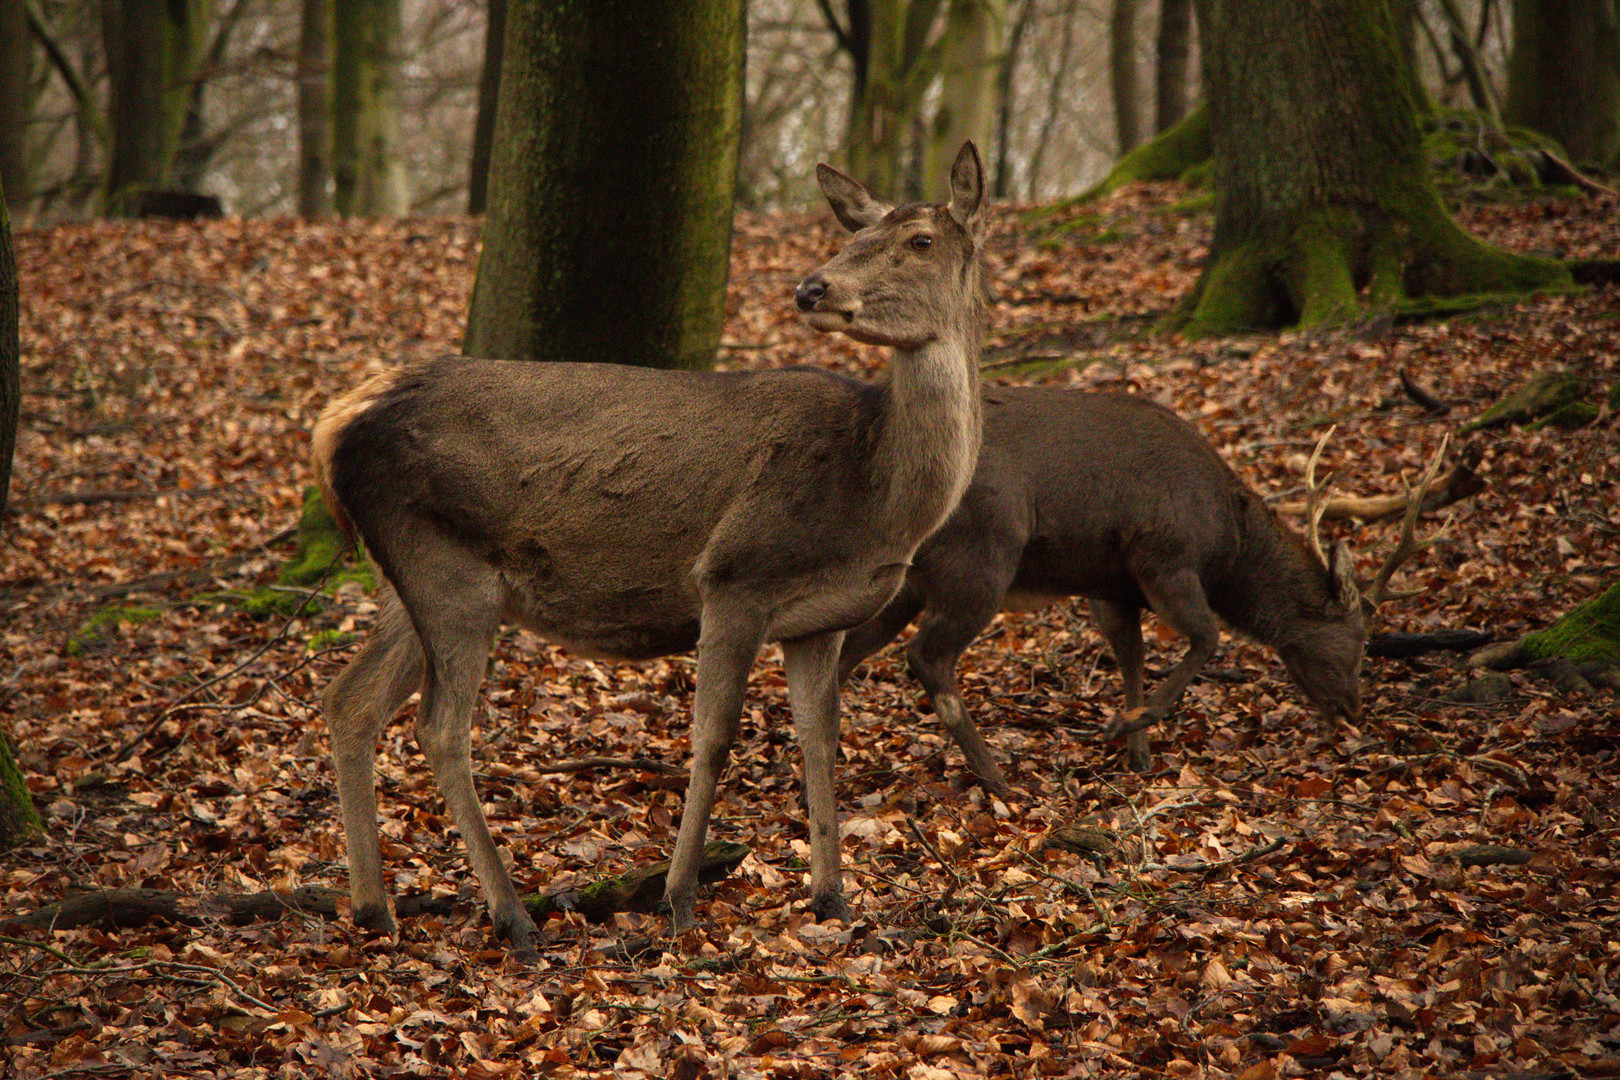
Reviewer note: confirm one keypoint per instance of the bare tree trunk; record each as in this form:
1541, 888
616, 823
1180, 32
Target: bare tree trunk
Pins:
16, 104
611, 185
1004, 98
1122, 74
1324, 203
1174, 61
489, 84
368, 169
10, 360
315, 109
1564, 76
972, 54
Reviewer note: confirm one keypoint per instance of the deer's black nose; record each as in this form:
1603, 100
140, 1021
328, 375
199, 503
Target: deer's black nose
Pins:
809, 293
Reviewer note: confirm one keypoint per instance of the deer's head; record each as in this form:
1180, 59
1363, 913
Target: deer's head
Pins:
900, 278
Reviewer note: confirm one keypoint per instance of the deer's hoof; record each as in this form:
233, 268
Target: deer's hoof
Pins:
374, 916
519, 933
831, 907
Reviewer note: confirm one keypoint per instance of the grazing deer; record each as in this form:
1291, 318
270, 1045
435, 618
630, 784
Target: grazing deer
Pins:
632, 512
1117, 499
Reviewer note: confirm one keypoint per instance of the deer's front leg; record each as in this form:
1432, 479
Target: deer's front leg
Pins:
812, 676
726, 649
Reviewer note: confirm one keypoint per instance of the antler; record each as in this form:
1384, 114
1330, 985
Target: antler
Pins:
1408, 545
1315, 507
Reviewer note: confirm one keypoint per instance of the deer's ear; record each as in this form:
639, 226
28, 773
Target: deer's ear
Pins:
855, 207
967, 187
1342, 571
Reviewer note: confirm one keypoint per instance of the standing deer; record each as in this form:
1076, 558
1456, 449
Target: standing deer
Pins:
631, 513
1116, 499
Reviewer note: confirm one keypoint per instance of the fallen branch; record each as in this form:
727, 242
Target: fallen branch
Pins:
125, 909
1400, 646
641, 889
586, 764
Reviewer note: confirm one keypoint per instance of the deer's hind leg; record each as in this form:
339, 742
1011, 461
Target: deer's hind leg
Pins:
1121, 626
456, 603
359, 702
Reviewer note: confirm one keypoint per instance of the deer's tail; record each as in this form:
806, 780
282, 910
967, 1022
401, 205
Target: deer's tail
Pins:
328, 432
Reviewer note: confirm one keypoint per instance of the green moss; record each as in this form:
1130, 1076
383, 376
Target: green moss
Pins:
1570, 417
1235, 294
1169, 156
1317, 272
320, 543
1589, 633
330, 639
99, 630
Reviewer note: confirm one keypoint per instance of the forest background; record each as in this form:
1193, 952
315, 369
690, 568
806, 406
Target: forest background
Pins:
1430, 893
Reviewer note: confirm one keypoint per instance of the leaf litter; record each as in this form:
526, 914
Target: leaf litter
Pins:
1280, 897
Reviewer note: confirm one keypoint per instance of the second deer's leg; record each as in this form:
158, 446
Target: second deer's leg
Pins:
1121, 625
728, 643
358, 703
811, 665
949, 624
1178, 598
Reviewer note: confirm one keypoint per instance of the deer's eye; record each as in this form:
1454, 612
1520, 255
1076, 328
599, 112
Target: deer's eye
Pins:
922, 241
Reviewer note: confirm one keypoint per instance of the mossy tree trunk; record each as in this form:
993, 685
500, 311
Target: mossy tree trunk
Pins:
1324, 206
17, 94
900, 62
612, 182
1122, 75
1564, 75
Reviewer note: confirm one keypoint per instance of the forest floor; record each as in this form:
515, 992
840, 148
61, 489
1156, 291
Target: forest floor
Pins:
1287, 897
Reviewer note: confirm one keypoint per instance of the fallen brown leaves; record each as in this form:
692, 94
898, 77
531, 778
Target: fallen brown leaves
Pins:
1281, 898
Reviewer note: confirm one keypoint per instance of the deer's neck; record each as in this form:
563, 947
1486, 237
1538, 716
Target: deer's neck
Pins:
1272, 580
929, 443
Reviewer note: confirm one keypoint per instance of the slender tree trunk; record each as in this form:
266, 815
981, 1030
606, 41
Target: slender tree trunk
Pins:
611, 183
1323, 201
16, 104
489, 84
1171, 83
368, 170
315, 109
10, 360
1005, 79
971, 57
1122, 75
1564, 75
140, 40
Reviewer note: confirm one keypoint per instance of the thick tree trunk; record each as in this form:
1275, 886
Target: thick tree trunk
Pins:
368, 168
612, 183
315, 109
1171, 95
1564, 76
971, 60
1324, 206
489, 84
1122, 75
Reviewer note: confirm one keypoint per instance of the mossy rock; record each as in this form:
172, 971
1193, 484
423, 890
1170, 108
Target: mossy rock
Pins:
1588, 634
1542, 396
97, 634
